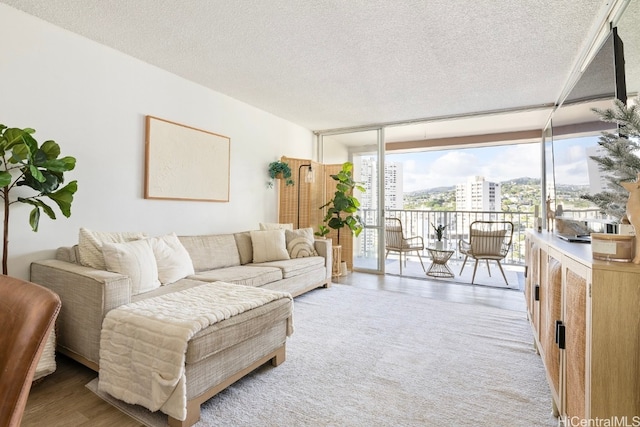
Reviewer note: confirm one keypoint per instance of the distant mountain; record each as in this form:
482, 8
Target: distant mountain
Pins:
522, 181
516, 181
517, 194
427, 191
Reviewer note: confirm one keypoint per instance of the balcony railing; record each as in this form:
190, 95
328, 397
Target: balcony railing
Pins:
419, 223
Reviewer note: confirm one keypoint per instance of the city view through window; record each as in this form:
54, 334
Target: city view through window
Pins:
428, 180
458, 186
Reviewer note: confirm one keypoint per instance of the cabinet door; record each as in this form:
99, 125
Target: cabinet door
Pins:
532, 260
614, 375
550, 314
575, 321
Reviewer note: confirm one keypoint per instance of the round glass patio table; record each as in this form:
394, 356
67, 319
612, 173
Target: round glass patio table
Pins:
439, 259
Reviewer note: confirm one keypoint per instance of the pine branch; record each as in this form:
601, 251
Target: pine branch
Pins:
619, 159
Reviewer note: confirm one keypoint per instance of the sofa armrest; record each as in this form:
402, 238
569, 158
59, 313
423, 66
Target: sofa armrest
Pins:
323, 247
87, 295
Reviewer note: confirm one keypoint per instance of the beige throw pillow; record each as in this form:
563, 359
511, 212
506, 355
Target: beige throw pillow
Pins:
174, 262
245, 248
90, 245
269, 245
275, 226
300, 242
134, 259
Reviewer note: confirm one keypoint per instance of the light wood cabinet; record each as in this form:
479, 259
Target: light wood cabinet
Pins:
585, 317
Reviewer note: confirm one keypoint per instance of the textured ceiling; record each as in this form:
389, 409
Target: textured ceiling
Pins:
328, 64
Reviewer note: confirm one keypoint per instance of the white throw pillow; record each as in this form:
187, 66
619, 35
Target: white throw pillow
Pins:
174, 262
269, 245
300, 242
275, 226
90, 245
134, 259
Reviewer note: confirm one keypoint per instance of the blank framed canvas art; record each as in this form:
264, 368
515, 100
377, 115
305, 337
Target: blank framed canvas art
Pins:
185, 163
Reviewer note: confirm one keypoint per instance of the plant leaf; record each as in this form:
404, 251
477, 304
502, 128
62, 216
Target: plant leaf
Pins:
39, 204
64, 197
52, 181
59, 165
34, 218
5, 179
36, 174
50, 149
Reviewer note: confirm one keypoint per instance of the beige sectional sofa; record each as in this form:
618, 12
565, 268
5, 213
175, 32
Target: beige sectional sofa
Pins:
270, 259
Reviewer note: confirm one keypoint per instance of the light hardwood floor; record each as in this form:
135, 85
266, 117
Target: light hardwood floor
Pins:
62, 400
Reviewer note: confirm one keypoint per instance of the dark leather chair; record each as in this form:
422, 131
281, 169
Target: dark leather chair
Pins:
27, 314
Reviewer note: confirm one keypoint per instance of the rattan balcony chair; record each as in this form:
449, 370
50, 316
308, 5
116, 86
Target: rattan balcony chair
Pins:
489, 241
397, 242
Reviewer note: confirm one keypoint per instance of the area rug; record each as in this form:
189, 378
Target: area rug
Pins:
413, 269
361, 357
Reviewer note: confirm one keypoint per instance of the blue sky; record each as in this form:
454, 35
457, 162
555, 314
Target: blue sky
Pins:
449, 167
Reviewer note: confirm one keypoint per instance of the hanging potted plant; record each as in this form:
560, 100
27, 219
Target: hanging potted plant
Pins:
23, 163
279, 170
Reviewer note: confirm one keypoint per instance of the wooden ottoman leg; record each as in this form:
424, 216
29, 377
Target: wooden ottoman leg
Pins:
193, 415
279, 357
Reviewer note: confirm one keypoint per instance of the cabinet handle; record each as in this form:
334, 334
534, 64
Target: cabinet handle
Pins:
536, 293
526, 269
560, 333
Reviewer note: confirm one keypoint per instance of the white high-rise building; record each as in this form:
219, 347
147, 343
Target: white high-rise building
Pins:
393, 195
478, 195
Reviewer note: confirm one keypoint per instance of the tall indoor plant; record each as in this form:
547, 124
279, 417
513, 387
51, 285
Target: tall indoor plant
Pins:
342, 208
24, 163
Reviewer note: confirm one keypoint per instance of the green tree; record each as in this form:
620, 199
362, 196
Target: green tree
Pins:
25, 164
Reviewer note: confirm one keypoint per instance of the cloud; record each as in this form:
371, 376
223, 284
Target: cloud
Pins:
450, 167
429, 169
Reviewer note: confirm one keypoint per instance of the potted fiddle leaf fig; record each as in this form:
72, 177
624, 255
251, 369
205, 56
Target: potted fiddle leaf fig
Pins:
279, 170
25, 163
342, 208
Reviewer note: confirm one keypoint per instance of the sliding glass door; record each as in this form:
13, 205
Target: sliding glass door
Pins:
365, 150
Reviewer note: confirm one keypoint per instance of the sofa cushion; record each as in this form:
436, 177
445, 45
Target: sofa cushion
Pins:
300, 242
294, 267
134, 259
172, 258
245, 248
90, 245
269, 245
211, 251
241, 275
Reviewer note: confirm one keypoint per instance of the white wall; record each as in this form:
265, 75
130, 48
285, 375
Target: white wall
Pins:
92, 100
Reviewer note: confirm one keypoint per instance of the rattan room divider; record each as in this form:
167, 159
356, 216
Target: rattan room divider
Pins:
312, 195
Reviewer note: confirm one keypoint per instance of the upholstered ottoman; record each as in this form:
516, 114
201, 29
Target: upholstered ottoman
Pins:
223, 353
234, 344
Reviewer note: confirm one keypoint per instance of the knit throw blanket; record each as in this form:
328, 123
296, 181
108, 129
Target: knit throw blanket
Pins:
143, 344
